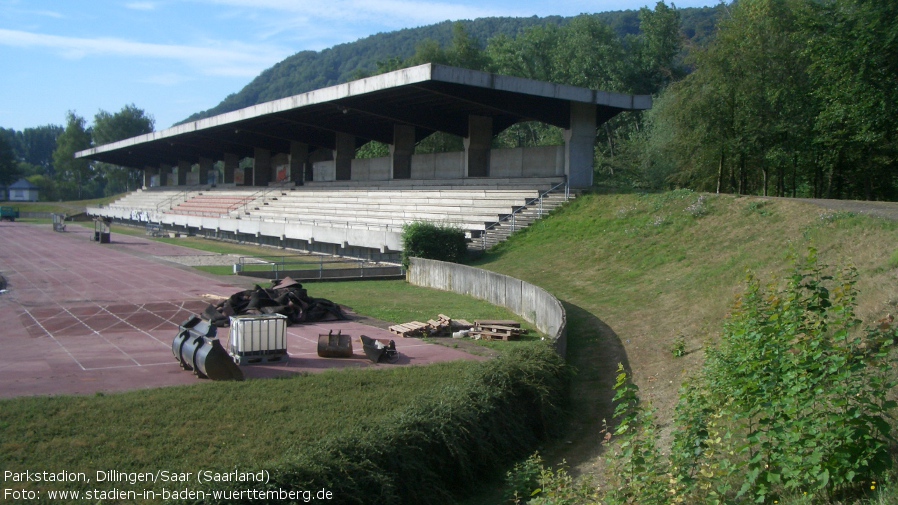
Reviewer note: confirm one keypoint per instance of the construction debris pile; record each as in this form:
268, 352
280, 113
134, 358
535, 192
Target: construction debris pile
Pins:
445, 326
286, 297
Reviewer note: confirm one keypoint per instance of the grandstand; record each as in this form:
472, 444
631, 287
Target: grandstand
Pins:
284, 173
348, 220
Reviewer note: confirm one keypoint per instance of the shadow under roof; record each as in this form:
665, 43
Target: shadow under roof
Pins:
429, 97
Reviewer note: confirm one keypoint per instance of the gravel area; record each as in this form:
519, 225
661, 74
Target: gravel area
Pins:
202, 260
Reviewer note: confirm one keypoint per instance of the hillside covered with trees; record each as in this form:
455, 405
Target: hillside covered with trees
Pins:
309, 70
767, 97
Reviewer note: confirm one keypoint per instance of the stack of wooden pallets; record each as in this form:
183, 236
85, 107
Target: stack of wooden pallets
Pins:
442, 326
410, 329
497, 329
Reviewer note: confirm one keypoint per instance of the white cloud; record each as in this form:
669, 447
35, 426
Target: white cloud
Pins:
216, 58
386, 12
49, 14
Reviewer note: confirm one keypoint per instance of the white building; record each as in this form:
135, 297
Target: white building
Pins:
23, 191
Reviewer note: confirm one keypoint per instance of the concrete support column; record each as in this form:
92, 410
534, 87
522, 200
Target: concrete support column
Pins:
231, 161
401, 151
148, 173
343, 155
261, 167
579, 145
299, 154
477, 146
165, 176
183, 168
206, 166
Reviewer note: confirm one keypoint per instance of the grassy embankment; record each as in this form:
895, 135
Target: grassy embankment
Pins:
637, 273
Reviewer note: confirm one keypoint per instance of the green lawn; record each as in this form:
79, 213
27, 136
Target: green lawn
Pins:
216, 425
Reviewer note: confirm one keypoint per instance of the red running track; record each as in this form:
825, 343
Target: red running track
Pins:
80, 317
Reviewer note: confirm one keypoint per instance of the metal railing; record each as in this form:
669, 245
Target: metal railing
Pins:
176, 199
262, 195
512, 218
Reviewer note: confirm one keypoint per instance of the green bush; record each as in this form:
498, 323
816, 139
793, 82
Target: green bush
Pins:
433, 241
795, 397
794, 401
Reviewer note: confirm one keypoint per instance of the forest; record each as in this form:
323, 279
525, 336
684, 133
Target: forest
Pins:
767, 97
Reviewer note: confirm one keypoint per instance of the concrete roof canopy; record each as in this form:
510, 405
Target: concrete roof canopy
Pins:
429, 97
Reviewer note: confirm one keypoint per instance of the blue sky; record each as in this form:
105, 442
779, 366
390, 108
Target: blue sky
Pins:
172, 58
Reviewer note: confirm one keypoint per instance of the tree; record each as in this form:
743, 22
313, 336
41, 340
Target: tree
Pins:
9, 170
38, 145
530, 55
655, 52
76, 137
854, 65
129, 122
464, 51
740, 119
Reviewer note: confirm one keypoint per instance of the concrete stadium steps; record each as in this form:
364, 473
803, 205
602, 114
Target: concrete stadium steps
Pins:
392, 221
481, 207
141, 200
211, 204
499, 232
470, 208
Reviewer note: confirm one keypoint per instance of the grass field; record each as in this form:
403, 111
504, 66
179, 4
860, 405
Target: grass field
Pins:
70, 207
210, 425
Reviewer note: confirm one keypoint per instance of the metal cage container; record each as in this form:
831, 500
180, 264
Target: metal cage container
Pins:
257, 339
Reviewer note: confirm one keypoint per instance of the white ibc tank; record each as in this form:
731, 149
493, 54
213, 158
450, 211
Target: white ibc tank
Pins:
258, 335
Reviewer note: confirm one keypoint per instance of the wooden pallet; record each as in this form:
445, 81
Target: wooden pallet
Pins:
497, 330
411, 329
442, 326
488, 335
497, 322
461, 324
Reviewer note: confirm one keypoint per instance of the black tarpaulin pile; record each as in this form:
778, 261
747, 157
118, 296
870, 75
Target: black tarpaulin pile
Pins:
286, 296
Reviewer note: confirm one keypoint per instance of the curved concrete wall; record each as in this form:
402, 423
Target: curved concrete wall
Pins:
531, 302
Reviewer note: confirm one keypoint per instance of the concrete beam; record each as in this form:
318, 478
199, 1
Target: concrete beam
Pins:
231, 161
279, 162
165, 175
579, 145
261, 167
401, 151
206, 166
477, 146
299, 155
148, 173
183, 168
343, 155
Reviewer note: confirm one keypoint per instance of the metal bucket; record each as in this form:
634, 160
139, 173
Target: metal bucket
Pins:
214, 362
176, 346
378, 349
196, 348
334, 346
